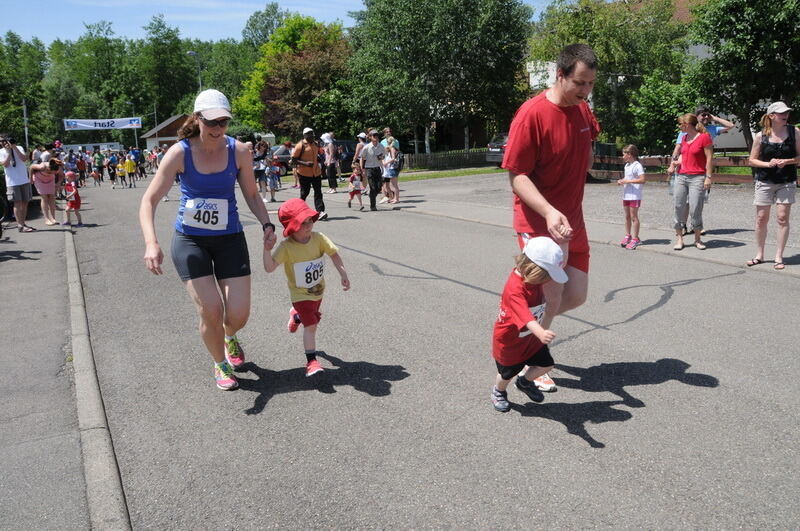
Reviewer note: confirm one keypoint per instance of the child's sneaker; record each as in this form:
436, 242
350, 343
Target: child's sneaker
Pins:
313, 367
529, 388
294, 321
634, 243
223, 374
500, 400
234, 353
625, 241
349, 203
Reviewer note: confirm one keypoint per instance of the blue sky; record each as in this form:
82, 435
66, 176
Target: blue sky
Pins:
200, 19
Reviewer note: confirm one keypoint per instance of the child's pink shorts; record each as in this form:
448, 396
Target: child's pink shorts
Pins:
635, 203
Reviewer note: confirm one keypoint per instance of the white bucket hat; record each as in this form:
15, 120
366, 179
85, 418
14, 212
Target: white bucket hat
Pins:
212, 104
546, 253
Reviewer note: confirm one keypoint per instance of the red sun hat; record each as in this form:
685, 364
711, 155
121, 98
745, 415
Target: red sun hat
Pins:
293, 213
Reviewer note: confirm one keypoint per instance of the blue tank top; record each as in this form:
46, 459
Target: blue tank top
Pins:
208, 200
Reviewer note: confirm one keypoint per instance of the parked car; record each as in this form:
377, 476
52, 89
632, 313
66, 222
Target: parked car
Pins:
497, 149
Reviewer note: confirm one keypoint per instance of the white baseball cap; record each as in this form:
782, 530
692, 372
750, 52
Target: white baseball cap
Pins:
308, 130
362, 135
546, 253
778, 107
212, 104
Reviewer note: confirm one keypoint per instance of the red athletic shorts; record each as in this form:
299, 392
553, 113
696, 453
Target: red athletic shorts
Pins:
308, 311
635, 203
578, 256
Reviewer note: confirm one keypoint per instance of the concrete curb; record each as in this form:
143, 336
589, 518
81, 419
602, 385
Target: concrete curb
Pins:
106, 499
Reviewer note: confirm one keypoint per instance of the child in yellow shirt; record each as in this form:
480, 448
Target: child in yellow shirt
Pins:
302, 254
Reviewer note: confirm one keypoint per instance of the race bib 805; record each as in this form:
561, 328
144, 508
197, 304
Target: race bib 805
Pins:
309, 274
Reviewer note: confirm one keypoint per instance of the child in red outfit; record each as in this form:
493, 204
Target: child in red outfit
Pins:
303, 255
73, 200
356, 186
520, 342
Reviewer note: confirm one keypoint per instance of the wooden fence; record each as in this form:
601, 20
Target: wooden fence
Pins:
607, 167
445, 160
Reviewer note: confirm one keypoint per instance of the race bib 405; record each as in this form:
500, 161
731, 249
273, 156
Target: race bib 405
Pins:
206, 213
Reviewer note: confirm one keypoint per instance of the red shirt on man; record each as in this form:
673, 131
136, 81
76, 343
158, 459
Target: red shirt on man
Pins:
551, 145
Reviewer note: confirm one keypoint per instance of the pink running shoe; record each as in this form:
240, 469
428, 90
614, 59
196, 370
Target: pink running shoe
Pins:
313, 367
633, 244
626, 240
234, 353
224, 376
294, 321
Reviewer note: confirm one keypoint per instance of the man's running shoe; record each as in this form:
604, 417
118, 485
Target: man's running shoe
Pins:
323, 216
545, 384
313, 367
234, 353
223, 374
294, 321
529, 388
500, 400
626, 240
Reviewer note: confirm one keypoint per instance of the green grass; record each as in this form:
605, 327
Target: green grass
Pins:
438, 174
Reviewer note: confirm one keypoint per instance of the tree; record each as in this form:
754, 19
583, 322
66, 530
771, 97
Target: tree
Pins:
262, 24
301, 59
440, 59
632, 39
754, 53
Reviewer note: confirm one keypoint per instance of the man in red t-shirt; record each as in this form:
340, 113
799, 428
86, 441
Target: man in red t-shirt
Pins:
548, 154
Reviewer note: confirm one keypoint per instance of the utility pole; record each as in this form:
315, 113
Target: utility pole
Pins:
135, 136
25, 121
197, 61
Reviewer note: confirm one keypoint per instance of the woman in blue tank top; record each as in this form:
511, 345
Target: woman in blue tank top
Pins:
209, 249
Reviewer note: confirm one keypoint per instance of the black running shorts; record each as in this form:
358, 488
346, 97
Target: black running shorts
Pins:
223, 256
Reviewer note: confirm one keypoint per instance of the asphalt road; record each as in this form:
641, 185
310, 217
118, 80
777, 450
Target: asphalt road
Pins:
677, 402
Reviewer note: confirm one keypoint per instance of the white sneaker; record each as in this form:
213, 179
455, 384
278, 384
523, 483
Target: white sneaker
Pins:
544, 383
384, 200
323, 216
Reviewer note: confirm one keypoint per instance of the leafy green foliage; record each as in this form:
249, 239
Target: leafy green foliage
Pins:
262, 24
632, 40
754, 53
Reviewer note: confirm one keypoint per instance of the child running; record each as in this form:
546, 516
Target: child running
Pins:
520, 342
631, 195
356, 178
121, 173
302, 255
73, 200
96, 178
130, 169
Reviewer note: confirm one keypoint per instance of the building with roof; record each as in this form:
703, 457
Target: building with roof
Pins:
166, 133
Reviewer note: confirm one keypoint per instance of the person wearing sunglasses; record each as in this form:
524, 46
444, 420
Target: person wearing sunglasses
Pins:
209, 249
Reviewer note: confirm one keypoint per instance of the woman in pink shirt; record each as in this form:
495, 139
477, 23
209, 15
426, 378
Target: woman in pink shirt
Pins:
693, 178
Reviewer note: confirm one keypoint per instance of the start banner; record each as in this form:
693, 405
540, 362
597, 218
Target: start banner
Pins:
82, 124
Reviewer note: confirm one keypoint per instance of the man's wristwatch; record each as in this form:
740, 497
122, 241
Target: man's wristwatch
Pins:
268, 225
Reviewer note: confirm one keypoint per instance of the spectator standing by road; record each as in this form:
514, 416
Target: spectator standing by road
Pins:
330, 164
18, 183
209, 249
371, 157
775, 157
307, 167
45, 178
695, 163
548, 154
98, 160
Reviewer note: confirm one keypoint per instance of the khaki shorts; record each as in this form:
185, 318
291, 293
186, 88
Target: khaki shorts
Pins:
774, 194
20, 192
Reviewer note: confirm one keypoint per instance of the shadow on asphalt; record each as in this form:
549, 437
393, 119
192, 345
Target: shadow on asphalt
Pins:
656, 242
609, 378
727, 231
575, 416
792, 260
723, 244
370, 378
17, 255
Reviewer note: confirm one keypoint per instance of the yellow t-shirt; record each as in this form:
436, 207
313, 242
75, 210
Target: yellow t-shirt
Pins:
120, 169
304, 264
130, 166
